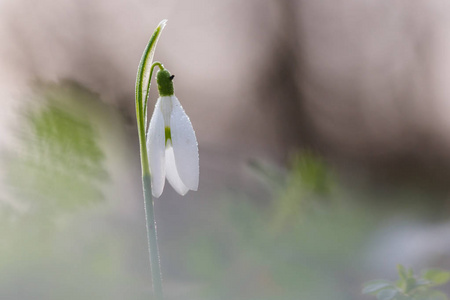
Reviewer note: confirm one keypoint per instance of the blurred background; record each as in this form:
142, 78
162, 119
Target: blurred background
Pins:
323, 133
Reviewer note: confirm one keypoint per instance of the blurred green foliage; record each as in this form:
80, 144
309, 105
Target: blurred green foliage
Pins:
56, 240
303, 244
61, 165
410, 286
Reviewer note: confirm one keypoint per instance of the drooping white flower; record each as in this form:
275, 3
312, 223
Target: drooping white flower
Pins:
171, 143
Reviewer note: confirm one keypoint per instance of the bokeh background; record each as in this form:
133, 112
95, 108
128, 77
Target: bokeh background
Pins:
323, 133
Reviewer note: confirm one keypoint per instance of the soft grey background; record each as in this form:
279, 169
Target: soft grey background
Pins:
364, 84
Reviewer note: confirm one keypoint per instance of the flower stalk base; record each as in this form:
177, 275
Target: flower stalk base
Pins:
155, 264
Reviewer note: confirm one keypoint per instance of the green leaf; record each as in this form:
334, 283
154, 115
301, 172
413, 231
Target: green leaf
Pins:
374, 286
422, 282
402, 272
410, 284
436, 276
387, 294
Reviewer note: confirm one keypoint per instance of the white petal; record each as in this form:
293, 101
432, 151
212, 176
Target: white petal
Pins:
184, 145
166, 108
172, 174
156, 150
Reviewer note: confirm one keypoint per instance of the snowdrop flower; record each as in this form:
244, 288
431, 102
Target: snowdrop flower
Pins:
171, 142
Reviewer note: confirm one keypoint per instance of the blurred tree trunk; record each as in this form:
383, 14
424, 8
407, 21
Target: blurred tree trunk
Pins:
280, 88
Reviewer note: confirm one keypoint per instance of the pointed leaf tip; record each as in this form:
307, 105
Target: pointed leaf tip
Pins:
143, 76
162, 24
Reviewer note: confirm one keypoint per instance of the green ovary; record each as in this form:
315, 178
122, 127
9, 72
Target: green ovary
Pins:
165, 83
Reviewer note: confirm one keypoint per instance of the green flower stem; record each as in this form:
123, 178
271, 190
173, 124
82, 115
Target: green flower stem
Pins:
149, 210
152, 239
156, 63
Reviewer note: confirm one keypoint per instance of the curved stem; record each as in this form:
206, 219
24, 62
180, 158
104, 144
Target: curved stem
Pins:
156, 63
